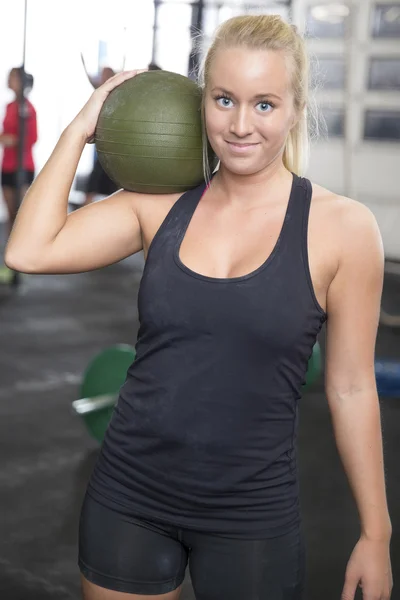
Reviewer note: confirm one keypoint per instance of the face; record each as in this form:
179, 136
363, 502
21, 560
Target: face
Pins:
14, 81
249, 108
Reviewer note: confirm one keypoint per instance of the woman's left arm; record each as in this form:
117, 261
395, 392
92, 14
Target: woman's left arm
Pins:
353, 306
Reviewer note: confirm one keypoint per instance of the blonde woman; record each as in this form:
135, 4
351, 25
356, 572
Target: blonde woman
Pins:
199, 463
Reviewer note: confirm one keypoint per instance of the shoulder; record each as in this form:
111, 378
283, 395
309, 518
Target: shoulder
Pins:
153, 207
148, 202
12, 107
150, 211
351, 216
352, 224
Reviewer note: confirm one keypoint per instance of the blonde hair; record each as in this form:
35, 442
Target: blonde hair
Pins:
268, 32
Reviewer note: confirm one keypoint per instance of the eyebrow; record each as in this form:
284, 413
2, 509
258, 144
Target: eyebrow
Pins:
256, 97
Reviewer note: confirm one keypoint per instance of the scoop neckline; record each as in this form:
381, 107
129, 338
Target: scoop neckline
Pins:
253, 273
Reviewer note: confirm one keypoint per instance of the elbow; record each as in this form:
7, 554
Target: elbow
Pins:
9, 260
22, 264
13, 262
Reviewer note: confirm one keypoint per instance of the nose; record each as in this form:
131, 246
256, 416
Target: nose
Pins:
241, 124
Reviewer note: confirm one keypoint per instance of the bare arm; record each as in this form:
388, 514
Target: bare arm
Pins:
45, 239
353, 315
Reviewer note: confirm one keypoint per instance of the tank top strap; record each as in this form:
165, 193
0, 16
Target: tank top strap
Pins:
177, 220
297, 216
296, 240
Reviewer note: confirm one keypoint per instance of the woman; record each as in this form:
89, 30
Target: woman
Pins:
10, 140
200, 458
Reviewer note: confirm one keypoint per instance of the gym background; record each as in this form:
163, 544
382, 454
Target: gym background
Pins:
54, 328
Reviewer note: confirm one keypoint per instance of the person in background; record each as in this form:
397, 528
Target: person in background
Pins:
154, 67
9, 139
105, 74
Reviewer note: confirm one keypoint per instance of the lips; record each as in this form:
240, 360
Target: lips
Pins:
240, 146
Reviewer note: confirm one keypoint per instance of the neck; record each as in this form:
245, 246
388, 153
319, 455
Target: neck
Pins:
240, 189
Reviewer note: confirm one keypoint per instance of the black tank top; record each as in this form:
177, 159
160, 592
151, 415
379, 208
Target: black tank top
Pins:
204, 434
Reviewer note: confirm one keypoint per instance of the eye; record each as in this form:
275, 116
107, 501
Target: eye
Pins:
264, 106
224, 101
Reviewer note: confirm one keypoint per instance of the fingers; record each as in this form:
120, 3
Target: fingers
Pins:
119, 78
93, 107
349, 590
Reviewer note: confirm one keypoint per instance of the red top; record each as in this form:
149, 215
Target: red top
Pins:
11, 126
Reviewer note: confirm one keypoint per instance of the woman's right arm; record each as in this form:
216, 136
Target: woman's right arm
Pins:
45, 238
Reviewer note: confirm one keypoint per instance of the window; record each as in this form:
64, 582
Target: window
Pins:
382, 125
327, 20
334, 119
384, 74
386, 21
329, 72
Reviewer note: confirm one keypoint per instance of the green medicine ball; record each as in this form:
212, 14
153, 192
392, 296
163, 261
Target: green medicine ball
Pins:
149, 134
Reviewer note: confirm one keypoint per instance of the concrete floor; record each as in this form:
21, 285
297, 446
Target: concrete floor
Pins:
50, 328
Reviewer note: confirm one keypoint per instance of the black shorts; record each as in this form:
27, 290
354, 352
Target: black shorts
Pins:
10, 179
140, 556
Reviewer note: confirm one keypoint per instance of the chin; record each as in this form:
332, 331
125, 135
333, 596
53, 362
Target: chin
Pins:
243, 167
242, 170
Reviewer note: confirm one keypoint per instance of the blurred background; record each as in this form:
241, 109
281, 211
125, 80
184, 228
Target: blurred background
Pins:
54, 328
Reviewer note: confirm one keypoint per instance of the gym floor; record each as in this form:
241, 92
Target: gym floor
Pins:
51, 326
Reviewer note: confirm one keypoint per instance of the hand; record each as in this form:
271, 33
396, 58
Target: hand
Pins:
370, 568
8, 140
87, 118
